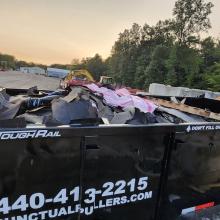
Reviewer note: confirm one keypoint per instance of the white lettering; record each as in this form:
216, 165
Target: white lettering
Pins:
24, 217
39, 200
101, 205
89, 210
53, 213
33, 216
41, 133
148, 195
134, 198
70, 211
140, 196
116, 201
108, 202
57, 134
5, 136
62, 212
43, 214
28, 134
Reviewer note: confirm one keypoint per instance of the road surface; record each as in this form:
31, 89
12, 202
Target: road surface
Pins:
18, 80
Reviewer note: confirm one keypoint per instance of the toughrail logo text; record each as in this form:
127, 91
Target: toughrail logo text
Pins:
11, 135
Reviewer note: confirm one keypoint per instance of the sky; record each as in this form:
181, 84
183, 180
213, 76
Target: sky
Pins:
57, 31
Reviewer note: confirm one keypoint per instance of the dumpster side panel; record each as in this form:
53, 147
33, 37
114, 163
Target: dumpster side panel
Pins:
194, 174
122, 174
83, 173
37, 176
99, 173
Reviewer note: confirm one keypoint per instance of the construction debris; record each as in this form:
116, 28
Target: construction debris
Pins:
90, 103
165, 90
186, 108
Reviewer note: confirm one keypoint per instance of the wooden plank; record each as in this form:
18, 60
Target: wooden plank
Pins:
186, 108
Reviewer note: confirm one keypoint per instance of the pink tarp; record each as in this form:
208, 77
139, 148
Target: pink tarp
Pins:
122, 98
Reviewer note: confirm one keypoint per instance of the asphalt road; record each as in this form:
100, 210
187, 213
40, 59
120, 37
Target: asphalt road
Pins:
18, 80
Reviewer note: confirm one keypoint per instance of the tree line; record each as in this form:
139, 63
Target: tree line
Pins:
171, 52
10, 62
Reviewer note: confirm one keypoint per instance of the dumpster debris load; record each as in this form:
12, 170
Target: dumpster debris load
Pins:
86, 103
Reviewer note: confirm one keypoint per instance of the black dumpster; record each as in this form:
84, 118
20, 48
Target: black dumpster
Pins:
109, 172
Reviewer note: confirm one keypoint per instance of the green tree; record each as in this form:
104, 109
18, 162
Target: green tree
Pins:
7, 61
183, 67
61, 66
210, 51
156, 70
124, 55
142, 62
212, 77
190, 18
95, 65
172, 68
